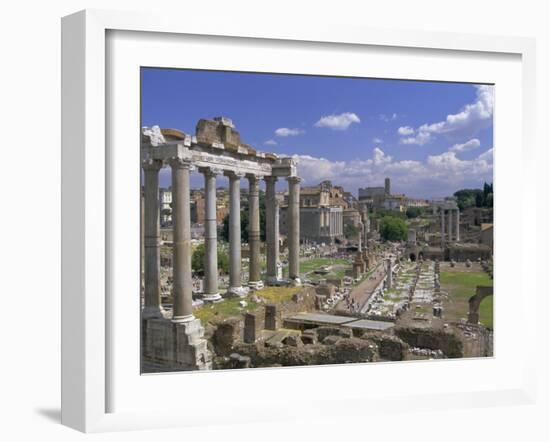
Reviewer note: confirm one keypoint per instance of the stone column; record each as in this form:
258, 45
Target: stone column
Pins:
254, 280
450, 224
389, 274
457, 227
181, 249
442, 227
211, 293
360, 237
235, 287
151, 240
272, 229
294, 229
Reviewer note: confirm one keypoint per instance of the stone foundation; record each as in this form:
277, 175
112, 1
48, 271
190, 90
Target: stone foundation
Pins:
177, 346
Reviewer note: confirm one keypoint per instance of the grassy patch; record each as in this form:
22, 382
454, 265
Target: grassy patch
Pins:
278, 294
224, 309
313, 264
486, 312
461, 285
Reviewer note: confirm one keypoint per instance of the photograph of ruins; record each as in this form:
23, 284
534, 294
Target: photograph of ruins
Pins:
293, 220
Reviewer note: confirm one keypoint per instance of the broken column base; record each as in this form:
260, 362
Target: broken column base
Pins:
238, 292
256, 285
295, 282
211, 297
175, 346
274, 281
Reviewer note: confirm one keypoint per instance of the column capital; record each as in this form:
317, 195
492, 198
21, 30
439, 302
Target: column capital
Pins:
252, 178
179, 163
210, 171
270, 179
294, 179
151, 164
234, 175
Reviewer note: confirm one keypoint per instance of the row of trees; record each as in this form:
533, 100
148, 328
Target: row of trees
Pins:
393, 228
224, 234
475, 197
197, 260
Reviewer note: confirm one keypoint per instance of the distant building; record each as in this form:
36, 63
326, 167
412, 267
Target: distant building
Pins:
321, 213
486, 235
197, 206
352, 217
382, 198
165, 205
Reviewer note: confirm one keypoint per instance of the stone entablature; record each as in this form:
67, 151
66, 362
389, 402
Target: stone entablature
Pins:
209, 151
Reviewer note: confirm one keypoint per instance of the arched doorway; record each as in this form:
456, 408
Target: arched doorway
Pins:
412, 257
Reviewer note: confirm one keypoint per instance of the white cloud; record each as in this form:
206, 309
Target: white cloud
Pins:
437, 176
270, 143
388, 118
287, 132
472, 118
487, 156
465, 147
421, 138
405, 130
338, 122
377, 140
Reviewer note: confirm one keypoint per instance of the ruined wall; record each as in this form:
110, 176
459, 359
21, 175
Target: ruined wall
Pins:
472, 253
342, 351
214, 131
434, 339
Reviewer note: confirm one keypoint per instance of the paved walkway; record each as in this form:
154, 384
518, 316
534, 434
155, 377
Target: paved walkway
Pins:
363, 291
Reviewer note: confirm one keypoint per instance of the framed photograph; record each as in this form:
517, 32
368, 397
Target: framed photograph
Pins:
268, 215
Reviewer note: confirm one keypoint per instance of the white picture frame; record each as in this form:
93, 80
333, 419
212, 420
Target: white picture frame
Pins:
86, 256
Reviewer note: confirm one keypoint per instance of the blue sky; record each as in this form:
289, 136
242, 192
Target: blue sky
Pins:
431, 138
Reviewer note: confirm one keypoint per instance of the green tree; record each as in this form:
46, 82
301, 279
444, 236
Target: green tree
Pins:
466, 198
413, 212
381, 213
224, 234
475, 197
350, 231
197, 260
479, 200
393, 229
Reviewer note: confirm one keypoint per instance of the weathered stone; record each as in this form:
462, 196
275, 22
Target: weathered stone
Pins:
154, 134
270, 317
239, 361
320, 301
325, 289
390, 347
324, 331
309, 337
250, 328
344, 351
293, 341
225, 335
219, 130
178, 346
331, 339
426, 337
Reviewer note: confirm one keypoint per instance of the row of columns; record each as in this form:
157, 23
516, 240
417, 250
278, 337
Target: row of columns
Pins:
181, 224
452, 232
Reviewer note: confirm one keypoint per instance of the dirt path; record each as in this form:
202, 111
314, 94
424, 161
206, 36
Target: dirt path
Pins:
363, 291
